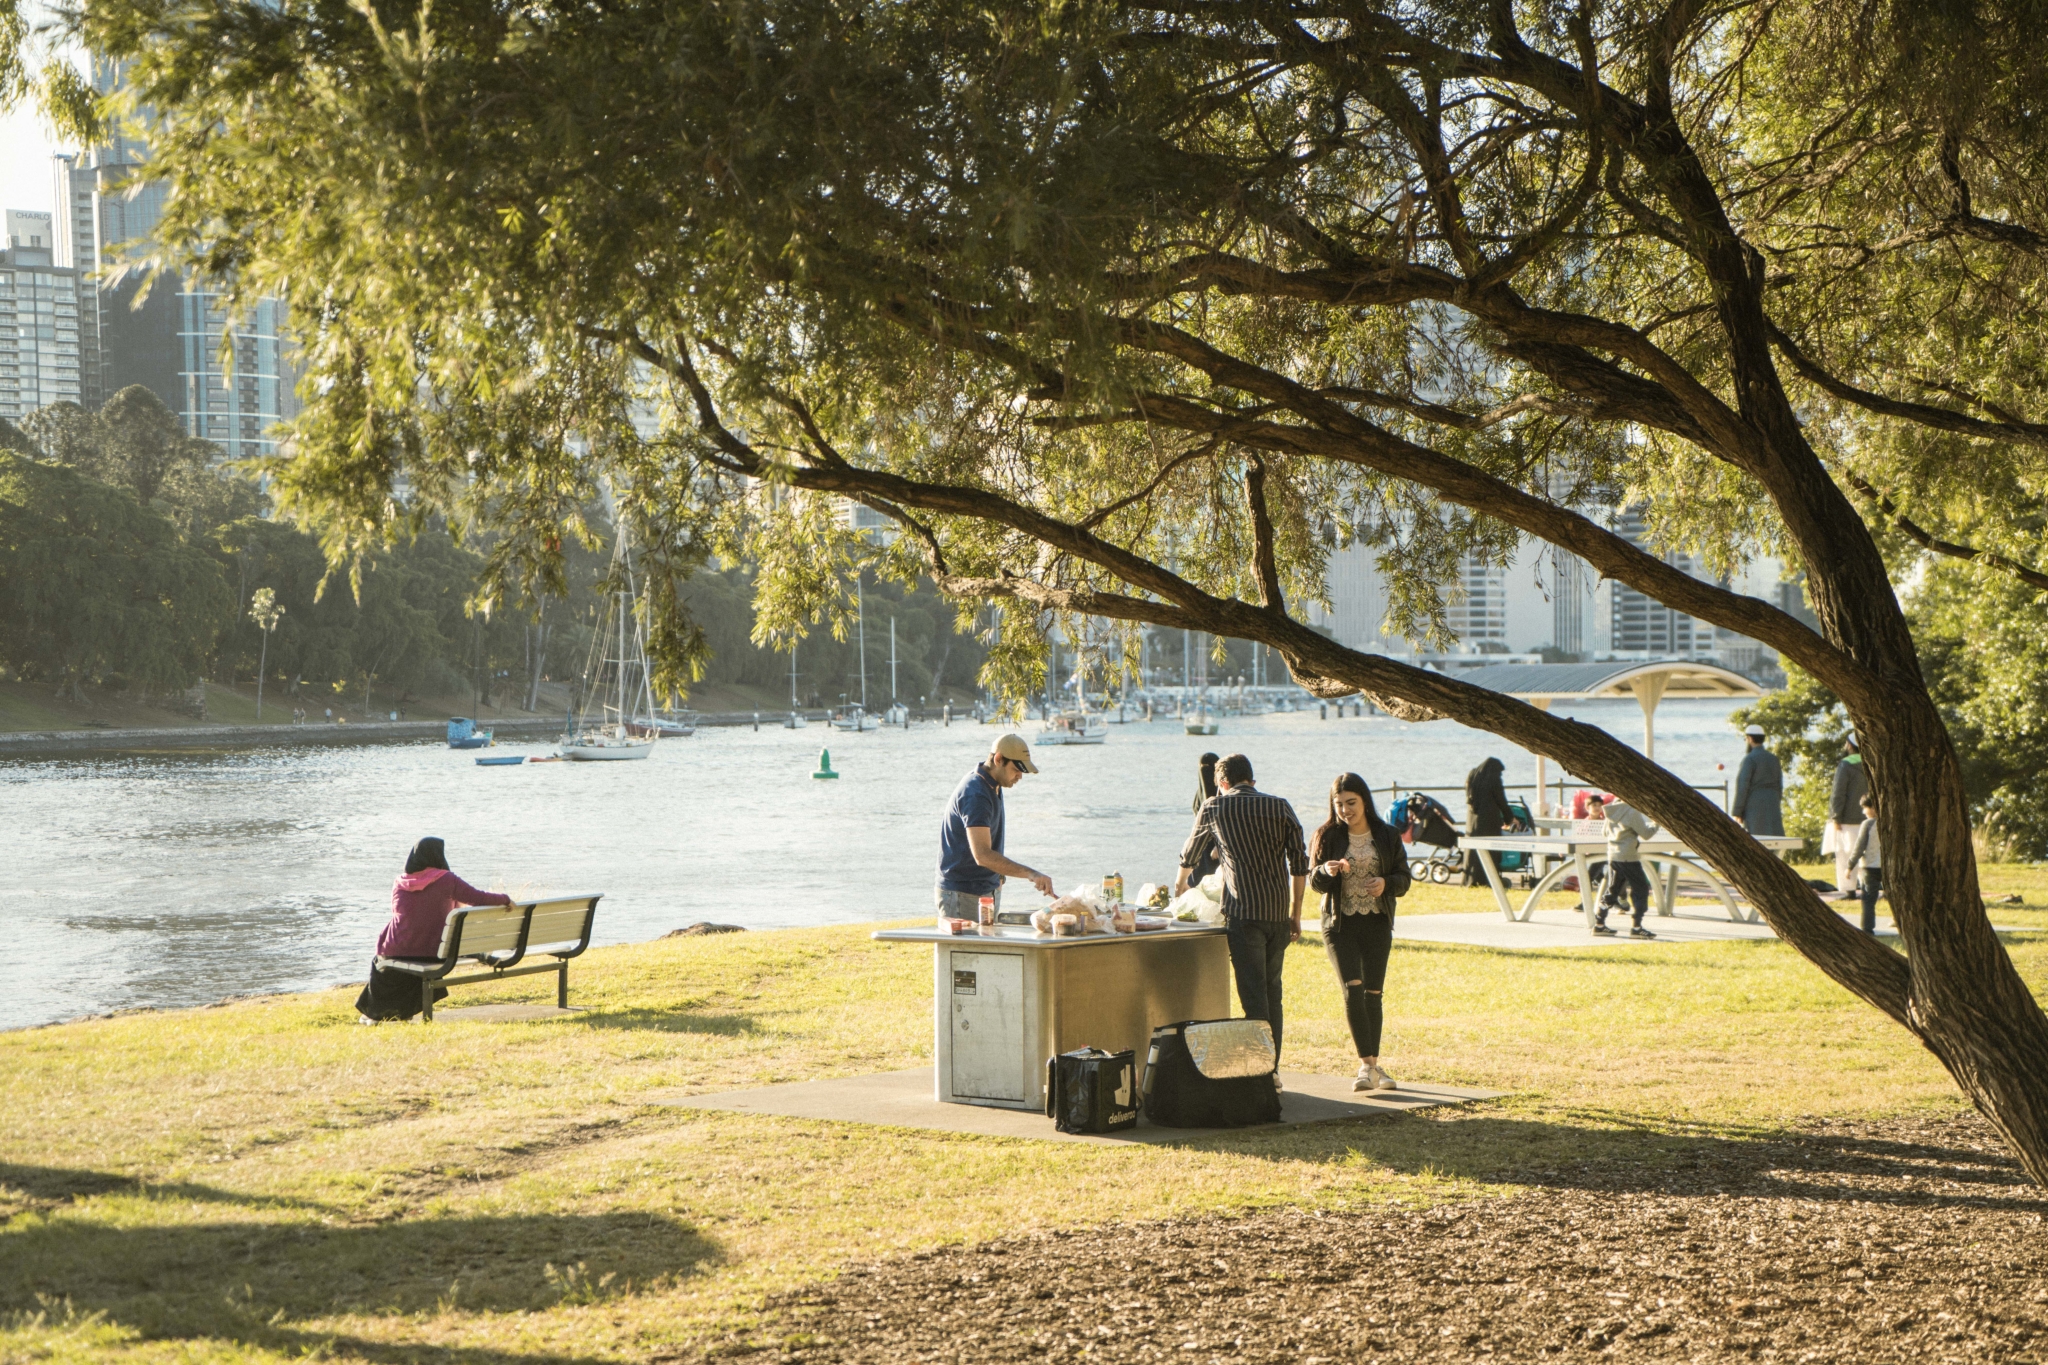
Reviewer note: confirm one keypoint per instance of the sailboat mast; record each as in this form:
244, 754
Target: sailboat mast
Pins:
892, 661
861, 607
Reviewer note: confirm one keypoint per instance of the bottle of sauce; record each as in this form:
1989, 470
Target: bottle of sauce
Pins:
987, 910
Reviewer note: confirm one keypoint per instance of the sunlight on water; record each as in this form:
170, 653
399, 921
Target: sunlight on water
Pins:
176, 879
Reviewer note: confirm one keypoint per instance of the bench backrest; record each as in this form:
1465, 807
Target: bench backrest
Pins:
561, 923
501, 935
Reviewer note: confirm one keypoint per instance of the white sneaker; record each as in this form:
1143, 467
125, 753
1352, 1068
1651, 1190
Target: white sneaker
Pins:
1363, 1081
1380, 1079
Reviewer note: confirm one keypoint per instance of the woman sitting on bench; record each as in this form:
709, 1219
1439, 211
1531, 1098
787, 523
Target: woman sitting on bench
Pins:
421, 900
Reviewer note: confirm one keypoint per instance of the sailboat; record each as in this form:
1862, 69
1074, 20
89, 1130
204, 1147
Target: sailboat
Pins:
898, 714
796, 719
617, 721
855, 718
1075, 724
1201, 724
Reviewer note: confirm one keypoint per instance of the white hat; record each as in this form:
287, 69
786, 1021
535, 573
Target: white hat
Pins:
1756, 730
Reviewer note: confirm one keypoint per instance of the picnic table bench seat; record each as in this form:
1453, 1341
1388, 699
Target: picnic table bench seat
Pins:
499, 940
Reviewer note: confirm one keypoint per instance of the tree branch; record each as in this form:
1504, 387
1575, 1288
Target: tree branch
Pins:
1265, 564
1928, 541
1923, 414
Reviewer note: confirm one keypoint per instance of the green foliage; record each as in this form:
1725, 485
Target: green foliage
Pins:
1984, 647
93, 585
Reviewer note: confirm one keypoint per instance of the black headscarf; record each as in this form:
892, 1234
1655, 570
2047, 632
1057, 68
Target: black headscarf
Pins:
425, 854
1205, 779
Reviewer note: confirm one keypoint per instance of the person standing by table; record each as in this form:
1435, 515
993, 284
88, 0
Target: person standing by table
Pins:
1486, 811
1626, 829
1258, 840
1869, 851
1759, 789
1361, 870
1845, 808
972, 863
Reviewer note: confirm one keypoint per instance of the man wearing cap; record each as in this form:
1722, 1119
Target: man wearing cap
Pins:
1759, 784
971, 859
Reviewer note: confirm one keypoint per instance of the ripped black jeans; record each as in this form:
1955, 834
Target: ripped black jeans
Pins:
1358, 946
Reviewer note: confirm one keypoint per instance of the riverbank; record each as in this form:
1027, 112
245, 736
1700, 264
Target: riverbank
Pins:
267, 1179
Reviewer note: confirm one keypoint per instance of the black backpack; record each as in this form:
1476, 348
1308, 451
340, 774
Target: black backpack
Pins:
1211, 1073
1092, 1091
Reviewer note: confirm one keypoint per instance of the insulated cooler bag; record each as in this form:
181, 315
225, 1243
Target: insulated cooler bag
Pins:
1092, 1091
1213, 1073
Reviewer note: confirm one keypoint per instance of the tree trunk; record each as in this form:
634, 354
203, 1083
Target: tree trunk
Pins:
1955, 989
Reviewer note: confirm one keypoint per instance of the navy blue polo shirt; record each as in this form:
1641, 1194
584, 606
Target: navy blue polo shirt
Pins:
977, 802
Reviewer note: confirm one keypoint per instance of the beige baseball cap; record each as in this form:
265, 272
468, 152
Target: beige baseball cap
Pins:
1017, 751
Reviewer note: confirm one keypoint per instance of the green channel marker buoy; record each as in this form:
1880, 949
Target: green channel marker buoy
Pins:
824, 773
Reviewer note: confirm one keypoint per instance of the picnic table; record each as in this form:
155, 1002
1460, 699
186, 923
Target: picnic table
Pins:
1574, 846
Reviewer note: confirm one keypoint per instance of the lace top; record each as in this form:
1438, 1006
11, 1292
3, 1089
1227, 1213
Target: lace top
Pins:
1365, 865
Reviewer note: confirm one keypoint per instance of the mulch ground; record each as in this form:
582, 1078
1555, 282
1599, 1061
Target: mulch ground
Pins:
1908, 1240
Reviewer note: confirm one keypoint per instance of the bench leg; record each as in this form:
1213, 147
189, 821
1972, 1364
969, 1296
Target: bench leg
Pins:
562, 987
426, 1000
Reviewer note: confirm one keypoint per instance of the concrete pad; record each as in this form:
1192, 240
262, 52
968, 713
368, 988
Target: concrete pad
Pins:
903, 1099
1562, 928
500, 1014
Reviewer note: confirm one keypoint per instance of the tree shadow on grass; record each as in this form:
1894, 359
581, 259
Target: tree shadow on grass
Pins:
669, 1021
1932, 1161
251, 1280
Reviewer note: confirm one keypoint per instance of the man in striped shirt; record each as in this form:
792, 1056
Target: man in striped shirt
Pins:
1259, 840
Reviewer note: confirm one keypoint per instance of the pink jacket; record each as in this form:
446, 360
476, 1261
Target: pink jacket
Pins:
420, 902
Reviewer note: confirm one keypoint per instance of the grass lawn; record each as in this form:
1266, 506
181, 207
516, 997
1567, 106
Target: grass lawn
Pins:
267, 1180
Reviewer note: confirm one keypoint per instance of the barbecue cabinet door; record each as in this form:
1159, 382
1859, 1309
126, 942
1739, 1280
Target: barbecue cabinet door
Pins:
987, 1008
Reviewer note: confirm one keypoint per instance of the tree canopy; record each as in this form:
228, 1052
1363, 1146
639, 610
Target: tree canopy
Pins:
1135, 310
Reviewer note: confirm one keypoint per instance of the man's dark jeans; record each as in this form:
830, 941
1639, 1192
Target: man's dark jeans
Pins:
1257, 950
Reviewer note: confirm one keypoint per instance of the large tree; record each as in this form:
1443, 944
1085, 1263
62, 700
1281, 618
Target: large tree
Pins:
1134, 310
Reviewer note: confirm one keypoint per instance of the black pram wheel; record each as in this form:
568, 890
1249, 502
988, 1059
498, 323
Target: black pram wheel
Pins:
1439, 873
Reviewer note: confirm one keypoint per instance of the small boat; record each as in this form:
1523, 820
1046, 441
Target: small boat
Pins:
618, 745
1074, 727
503, 761
795, 721
897, 715
463, 734
854, 718
669, 726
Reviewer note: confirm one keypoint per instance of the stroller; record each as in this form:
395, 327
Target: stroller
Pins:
1425, 825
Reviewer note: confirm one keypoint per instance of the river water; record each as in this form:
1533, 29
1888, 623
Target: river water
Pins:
180, 878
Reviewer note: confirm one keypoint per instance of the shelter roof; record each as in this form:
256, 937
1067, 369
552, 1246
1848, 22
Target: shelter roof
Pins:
1644, 681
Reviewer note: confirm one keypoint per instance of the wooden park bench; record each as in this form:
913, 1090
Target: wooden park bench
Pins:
498, 939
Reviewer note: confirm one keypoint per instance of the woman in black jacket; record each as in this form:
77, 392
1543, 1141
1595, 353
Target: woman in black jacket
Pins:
1361, 869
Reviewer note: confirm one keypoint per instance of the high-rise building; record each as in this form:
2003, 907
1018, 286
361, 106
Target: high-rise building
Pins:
1642, 624
77, 243
230, 386
38, 319
1479, 614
